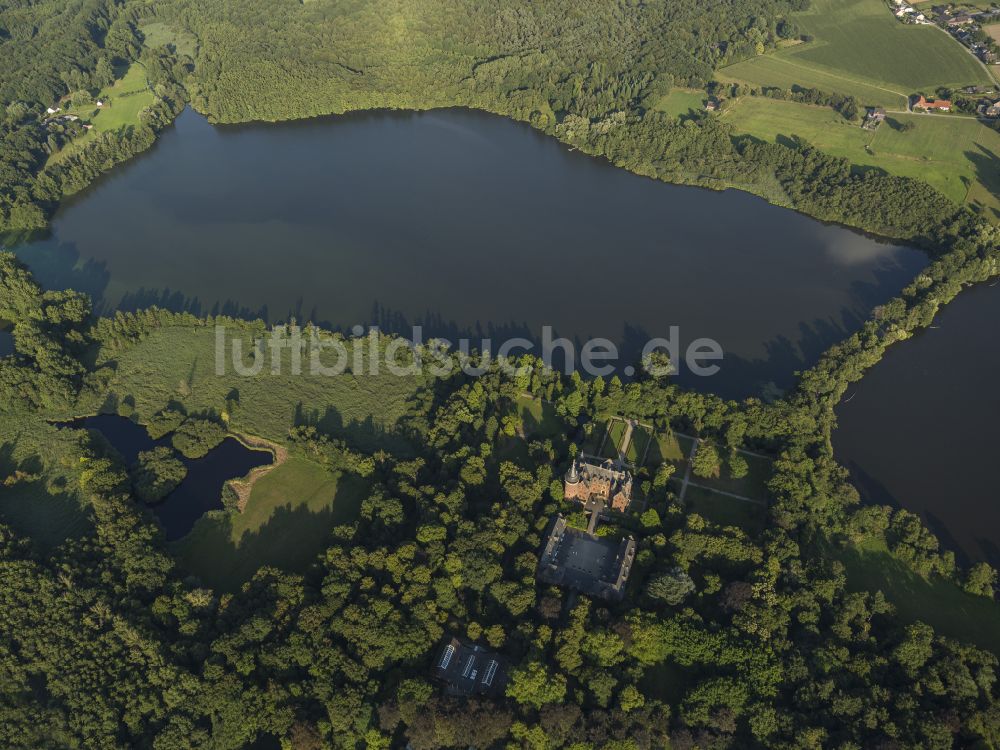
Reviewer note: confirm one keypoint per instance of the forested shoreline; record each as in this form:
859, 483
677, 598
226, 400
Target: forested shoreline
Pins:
549, 67
728, 637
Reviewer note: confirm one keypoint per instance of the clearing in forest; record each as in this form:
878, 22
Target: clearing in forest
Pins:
123, 102
286, 523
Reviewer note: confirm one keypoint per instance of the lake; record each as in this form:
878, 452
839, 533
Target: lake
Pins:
201, 490
920, 428
470, 225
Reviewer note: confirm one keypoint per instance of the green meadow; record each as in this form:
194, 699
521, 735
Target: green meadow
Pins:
782, 71
49, 508
725, 511
668, 447
753, 485
680, 102
539, 418
123, 101
177, 364
286, 524
960, 157
292, 509
159, 34
937, 602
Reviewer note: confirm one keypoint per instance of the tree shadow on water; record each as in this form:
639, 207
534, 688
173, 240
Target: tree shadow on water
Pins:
58, 265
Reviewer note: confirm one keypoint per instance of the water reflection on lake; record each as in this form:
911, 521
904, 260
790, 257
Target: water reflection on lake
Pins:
921, 429
468, 224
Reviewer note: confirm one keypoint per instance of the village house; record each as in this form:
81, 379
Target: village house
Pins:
874, 118
53, 110
594, 481
943, 105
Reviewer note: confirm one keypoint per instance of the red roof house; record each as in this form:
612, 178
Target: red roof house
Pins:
942, 104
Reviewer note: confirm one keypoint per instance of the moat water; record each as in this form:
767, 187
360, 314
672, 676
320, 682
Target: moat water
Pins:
468, 224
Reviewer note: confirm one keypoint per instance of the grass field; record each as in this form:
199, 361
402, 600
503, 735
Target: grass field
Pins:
680, 102
177, 364
958, 156
539, 418
48, 515
615, 432
859, 48
726, 511
753, 485
669, 448
639, 445
784, 72
48, 510
158, 34
124, 100
286, 523
606, 441
939, 603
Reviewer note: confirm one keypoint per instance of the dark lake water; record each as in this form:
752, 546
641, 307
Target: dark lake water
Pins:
922, 428
201, 490
467, 224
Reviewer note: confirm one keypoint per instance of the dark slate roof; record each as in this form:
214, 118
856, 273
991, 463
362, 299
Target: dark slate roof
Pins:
469, 669
594, 565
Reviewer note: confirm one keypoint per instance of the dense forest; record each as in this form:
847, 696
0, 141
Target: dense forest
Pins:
727, 637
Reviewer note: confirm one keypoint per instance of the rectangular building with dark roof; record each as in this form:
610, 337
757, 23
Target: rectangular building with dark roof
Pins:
469, 669
593, 565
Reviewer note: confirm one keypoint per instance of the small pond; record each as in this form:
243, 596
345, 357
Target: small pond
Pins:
201, 490
6, 339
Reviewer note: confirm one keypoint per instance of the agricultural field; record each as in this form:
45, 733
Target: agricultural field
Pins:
859, 48
124, 101
993, 30
960, 157
680, 102
782, 71
286, 523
